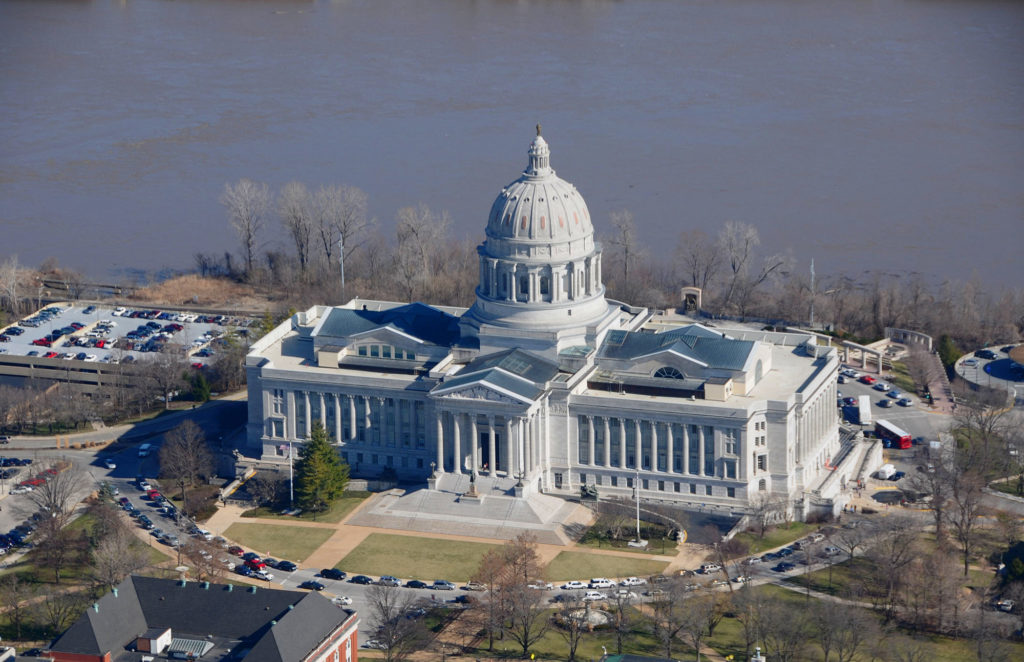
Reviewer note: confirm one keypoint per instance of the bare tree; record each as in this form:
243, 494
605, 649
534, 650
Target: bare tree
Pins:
17, 595
10, 277
117, 556
420, 232
266, 487
895, 547
966, 492
572, 625
622, 624
701, 613
783, 629
184, 457
700, 258
667, 616
490, 573
164, 375
247, 203
839, 629
767, 509
398, 636
60, 608
295, 207
624, 242
60, 492
341, 217
202, 556
58, 547
747, 605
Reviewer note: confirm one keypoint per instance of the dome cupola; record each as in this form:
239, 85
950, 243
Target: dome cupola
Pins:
540, 268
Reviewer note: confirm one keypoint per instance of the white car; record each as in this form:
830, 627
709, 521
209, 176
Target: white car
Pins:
573, 585
633, 581
601, 582
591, 596
626, 594
342, 600
109, 463
263, 574
21, 489
119, 311
538, 584
742, 579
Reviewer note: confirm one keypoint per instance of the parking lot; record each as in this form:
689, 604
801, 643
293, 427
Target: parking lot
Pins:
103, 334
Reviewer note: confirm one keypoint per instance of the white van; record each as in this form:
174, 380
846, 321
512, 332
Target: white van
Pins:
145, 449
708, 568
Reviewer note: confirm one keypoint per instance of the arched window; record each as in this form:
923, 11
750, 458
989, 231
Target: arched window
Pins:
668, 372
758, 371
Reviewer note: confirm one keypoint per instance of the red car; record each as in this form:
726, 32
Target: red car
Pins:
236, 550
867, 379
50, 355
42, 342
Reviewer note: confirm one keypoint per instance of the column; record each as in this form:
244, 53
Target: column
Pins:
700, 450
456, 442
556, 283
323, 413
607, 442
475, 437
492, 459
337, 419
509, 447
521, 445
590, 440
291, 414
654, 445
638, 444
686, 447
492, 286
309, 413
670, 464
367, 422
351, 416
440, 441
622, 443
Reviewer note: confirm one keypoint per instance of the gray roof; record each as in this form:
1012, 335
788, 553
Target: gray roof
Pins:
303, 620
416, 319
513, 370
694, 342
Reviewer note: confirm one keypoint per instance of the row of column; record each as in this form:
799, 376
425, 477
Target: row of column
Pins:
685, 440
360, 415
519, 449
817, 420
583, 279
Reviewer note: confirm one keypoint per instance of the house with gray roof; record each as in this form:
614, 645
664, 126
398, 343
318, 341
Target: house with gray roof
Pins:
544, 385
146, 618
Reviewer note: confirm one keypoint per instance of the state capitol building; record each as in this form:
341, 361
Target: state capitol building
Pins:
545, 385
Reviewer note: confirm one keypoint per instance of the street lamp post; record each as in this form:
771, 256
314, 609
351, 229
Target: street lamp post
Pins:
291, 477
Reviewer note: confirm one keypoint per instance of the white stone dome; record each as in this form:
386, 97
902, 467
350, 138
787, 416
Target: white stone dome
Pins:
539, 206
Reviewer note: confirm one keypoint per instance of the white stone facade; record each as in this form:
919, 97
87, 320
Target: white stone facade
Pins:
545, 382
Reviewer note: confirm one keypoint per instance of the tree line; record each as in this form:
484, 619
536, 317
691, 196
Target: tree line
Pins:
422, 261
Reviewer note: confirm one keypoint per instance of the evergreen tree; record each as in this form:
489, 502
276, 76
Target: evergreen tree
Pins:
320, 474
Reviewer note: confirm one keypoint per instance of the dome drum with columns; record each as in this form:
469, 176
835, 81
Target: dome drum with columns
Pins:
540, 267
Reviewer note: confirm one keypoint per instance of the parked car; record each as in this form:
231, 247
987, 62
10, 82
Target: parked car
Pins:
867, 379
574, 584
601, 582
477, 586
332, 573
906, 402
388, 580
236, 550
341, 600
415, 583
361, 579
592, 596
286, 566
443, 585
109, 463
312, 585
881, 386
537, 584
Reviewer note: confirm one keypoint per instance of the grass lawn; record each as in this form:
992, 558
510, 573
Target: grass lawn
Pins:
776, 536
656, 547
1006, 487
338, 511
280, 541
843, 575
412, 557
901, 378
581, 565
552, 645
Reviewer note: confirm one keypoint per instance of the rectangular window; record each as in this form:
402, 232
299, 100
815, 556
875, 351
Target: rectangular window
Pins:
385, 351
583, 446
693, 488
678, 487
707, 490
730, 442
731, 491
374, 351
583, 479
300, 415
277, 428
359, 458
661, 486
629, 482
646, 484
762, 462
374, 459
730, 468
411, 356
615, 481
362, 350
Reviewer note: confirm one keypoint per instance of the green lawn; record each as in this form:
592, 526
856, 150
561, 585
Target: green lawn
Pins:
901, 378
843, 575
280, 541
411, 557
656, 547
777, 536
338, 511
582, 565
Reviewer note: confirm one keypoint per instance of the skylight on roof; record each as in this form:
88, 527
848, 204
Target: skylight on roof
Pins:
515, 365
616, 337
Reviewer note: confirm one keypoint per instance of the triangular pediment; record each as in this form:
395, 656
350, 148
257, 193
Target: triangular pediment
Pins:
386, 335
481, 392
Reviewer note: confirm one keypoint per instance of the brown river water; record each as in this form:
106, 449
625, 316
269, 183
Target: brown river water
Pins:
868, 135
